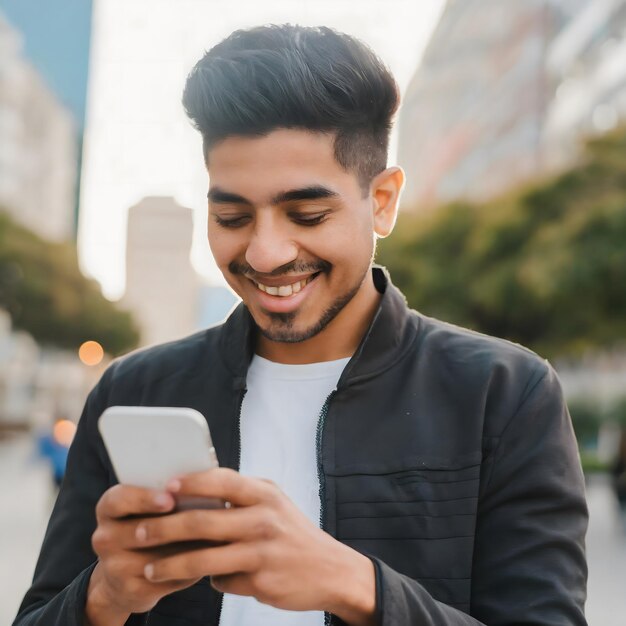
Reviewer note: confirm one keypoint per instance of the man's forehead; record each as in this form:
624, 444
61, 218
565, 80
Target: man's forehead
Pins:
286, 161
297, 143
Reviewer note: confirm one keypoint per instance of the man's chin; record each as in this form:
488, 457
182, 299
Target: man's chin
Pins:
288, 335
284, 327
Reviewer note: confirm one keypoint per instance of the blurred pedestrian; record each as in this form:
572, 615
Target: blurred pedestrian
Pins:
54, 446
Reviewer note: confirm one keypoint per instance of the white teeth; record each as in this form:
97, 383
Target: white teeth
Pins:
285, 290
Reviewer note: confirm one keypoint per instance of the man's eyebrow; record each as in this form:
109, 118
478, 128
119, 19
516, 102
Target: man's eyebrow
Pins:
315, 192
226, 197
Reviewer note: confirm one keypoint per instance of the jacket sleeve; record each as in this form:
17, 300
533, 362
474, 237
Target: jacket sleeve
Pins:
59, 589
529, 559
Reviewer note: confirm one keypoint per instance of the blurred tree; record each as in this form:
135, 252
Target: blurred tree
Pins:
544, 266
46, 295
617, 412
587, 417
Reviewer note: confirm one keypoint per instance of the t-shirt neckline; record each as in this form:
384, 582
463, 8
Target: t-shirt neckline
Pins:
261, 367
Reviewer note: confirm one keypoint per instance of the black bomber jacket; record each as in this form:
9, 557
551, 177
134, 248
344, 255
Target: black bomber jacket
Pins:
446, 456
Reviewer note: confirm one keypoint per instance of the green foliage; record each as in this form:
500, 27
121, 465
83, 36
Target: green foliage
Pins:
617, 412
591, 464
544, 266
587, 417
46, 295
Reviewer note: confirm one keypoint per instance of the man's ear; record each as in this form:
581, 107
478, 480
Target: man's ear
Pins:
385, 192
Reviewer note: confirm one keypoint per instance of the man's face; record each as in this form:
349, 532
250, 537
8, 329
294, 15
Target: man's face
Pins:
290, 230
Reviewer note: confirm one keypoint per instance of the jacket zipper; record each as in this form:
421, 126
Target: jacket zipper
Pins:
319, 435
237, 466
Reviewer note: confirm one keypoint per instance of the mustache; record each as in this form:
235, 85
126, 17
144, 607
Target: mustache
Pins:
294, 267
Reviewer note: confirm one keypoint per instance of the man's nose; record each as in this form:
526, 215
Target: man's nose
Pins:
270, 247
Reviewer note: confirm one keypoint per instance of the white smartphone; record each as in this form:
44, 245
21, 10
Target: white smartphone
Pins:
148, 446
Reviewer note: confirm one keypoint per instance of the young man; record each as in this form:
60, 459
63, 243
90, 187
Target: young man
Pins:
419, 473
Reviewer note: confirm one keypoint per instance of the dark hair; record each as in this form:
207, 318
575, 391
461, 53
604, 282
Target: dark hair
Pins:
286, 76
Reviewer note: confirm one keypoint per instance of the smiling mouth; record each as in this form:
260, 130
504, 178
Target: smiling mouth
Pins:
284, 291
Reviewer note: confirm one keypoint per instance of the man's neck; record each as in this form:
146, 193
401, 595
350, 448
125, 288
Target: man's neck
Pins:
338, 340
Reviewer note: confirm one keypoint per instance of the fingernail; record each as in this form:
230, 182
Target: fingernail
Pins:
148, 571
173, 485
141, 533
162, 500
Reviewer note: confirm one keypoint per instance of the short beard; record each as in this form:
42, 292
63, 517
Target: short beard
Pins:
286, 334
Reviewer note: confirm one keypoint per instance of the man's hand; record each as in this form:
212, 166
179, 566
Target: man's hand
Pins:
118, 586
270, 549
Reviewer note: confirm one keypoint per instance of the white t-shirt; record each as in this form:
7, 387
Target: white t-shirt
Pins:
279, 419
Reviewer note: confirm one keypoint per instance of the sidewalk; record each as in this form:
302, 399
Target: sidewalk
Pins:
606, 556
27, 499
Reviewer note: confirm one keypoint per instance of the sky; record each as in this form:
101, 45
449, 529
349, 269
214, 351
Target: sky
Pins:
138, 141
56, 40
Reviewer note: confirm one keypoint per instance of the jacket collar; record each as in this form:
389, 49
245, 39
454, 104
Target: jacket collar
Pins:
390, 335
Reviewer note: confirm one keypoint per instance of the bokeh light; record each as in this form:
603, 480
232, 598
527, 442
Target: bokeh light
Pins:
63, 432
91, 353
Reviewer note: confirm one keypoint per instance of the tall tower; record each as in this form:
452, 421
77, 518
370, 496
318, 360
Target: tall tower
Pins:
471, 121
38, 154
161, 285
587, 65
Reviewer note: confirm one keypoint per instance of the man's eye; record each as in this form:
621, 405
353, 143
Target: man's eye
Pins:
233, 222
309, 220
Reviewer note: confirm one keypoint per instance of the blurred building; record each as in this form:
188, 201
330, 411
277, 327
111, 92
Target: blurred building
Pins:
39, 385
472, 119
19, 355
38, 150
161, 285
586, 65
